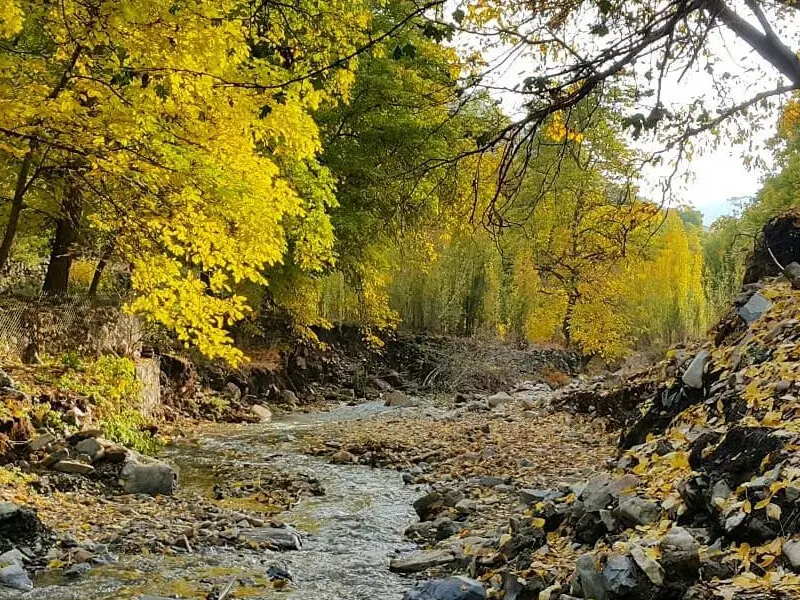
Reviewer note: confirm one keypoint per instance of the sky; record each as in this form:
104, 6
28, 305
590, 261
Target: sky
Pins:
714, 175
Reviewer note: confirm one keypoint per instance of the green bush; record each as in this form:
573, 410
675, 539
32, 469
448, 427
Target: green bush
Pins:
110, 384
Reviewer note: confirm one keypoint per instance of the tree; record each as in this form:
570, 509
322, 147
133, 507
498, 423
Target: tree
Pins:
575, 50
183, 131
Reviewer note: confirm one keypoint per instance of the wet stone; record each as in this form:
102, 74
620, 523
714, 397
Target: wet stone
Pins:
15, 577
452, 588
421, 561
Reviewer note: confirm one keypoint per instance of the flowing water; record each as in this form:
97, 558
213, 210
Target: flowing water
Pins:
349, 533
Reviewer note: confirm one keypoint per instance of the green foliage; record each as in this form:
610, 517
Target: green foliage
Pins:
110, 385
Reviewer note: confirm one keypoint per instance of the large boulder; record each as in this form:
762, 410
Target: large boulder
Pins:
142, 475
14, 576
452, 588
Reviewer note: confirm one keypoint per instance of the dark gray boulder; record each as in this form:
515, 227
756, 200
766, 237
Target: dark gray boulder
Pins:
452, 588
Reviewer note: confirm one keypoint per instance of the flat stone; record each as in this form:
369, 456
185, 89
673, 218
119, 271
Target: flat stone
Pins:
73, 466
396, 399
651, 568
15, 577
499, 398
421, 561
281, 538
452, 588
262, 412
342, 457
791, 550
638, 511
41, 441
693, 376
90, 446
754, 308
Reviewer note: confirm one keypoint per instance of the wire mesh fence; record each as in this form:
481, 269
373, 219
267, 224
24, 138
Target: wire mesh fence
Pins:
53, 324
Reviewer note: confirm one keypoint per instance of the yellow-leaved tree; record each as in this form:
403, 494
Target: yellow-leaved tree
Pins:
180, 136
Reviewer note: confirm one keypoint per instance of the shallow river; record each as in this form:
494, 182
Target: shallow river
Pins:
349, 534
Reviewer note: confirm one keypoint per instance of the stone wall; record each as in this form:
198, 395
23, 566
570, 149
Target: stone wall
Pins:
58, 325
148, 372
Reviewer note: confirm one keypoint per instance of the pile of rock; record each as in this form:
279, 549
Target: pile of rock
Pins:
706, 494
23, 538
87, 453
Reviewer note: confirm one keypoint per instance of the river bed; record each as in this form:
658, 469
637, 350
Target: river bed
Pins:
349, 533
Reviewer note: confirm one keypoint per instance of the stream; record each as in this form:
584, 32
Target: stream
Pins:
349, 533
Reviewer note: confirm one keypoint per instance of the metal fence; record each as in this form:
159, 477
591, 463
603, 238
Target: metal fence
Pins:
54, 324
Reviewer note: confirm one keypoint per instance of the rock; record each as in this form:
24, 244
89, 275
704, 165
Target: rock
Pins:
465, 506
278, 573
342, 457
421, 561
84, 434
141, 475
73, 466
262, 412
601, 490
429, 506
792, 273
754, 308
289, 398
77, 570
12, 394
638, 511
488, 481
41, 441
232, 391
13, 556
693, 376
397, 399
532, 496
92, 447
6, 381
589, 578
452, 588
281, 538
620, 577
15, 577
791, 550
653, 570
499, 398
680, 554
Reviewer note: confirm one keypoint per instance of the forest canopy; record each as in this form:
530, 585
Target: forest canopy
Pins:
226, 168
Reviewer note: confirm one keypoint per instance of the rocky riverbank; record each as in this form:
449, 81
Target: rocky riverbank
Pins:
700, 502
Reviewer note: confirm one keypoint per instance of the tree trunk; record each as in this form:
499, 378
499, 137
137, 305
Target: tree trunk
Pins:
56, 281
16, 209
99, 269
566, 326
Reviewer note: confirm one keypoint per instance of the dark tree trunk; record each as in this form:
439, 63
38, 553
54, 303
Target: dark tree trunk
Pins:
56, 281
99, 269
16, 209
566, 326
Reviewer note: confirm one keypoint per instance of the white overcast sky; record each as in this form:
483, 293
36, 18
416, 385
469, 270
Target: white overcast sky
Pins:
714, 175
